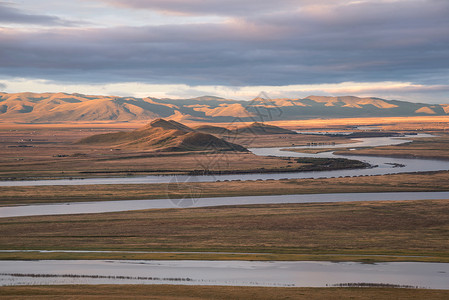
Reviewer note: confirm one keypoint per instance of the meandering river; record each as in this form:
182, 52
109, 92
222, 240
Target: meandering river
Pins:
383, 165
235, 273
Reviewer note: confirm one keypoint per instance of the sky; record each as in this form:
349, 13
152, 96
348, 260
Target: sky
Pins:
392, 49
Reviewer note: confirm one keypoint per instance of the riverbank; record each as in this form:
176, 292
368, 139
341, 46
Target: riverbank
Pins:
287, 165
428, 148
414, 182
169, 292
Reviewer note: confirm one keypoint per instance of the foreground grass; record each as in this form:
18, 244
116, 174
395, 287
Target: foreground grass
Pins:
357, 231
431, 181
167, 292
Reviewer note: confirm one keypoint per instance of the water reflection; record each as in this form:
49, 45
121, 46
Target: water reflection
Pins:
235, 273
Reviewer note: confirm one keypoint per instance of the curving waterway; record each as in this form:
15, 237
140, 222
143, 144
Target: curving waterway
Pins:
194, 200
383, 165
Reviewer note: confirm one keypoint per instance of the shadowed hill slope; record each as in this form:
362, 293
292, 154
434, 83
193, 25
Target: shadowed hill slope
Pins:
213, 129
255, 128
162, 135
263, 129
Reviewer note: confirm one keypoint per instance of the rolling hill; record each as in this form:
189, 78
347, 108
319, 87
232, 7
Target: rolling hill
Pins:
61, 107
258, 128
255, 128
162, 135
213, 129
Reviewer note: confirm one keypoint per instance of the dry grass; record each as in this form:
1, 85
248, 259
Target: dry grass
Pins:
388, 123
287, 140
49, 153
356, 228
169, 292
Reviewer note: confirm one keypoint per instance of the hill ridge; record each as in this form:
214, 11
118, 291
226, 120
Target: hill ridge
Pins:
30, 107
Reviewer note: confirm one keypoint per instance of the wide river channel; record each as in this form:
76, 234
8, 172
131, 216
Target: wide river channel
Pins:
235, 273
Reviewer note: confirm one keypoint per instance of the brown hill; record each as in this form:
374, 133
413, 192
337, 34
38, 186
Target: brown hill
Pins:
263, 129
168, 125
213, 129
351, 101
162, 135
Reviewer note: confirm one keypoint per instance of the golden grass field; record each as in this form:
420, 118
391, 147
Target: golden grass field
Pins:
49, 152
170, 292
360, 231
387, 123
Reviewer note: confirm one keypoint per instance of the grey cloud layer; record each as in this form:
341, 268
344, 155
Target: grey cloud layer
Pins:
11, 15
368, 41
208, 7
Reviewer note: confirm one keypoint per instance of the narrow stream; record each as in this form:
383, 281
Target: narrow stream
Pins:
129, 205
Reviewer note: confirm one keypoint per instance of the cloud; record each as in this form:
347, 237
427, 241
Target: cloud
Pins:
319, 42
387, 90
3, 86
11, 15
207, 7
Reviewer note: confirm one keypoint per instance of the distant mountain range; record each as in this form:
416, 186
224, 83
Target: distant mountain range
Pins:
61, 107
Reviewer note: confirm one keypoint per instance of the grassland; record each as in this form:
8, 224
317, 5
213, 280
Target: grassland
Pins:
38, 151
366, 232
440, 123
361, 231
169, 292
52, 153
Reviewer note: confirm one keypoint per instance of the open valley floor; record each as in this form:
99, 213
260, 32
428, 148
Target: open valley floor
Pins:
372, 232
